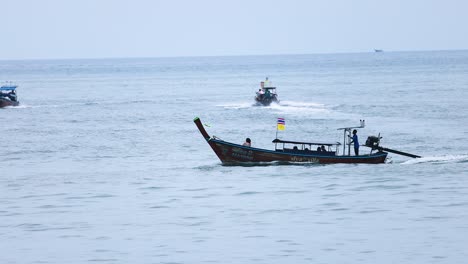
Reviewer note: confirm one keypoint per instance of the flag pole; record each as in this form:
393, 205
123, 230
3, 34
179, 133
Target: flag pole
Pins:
276, 131
276, 134
280, 121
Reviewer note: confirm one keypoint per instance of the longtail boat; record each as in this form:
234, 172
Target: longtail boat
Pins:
291, 151
266, 94
8, 95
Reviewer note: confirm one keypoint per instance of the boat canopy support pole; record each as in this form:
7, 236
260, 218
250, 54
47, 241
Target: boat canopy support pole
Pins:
344, 141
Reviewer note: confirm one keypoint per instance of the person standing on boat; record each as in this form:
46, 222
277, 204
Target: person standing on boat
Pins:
356, 142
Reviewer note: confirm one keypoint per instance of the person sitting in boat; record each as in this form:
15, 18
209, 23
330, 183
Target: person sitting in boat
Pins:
247, 142
260, 94
12, 95
319, 149
322, 148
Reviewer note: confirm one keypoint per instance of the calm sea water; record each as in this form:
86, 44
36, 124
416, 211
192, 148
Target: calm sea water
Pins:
102, 162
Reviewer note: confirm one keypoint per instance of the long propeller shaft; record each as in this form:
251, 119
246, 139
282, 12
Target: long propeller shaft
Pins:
398, 152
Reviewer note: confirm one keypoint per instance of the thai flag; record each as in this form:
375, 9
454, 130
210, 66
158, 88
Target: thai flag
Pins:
280, 125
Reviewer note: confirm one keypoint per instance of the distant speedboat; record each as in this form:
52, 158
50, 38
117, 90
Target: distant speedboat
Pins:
266, 94
8, 95
378, 50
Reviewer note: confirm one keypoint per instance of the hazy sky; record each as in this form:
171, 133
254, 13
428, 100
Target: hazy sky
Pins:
35, 29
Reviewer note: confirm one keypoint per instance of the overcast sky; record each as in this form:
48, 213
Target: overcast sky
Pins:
42, 29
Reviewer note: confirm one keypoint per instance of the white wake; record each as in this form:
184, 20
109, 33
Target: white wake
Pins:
439, 159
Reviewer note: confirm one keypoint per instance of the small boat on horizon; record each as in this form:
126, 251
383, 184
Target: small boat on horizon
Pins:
8, 95
378, 50
296, 151
266, 94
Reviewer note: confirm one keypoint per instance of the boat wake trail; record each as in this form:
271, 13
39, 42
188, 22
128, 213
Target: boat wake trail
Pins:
439, 159
57, 105
299, 107
237, 105
284, 106
17, 107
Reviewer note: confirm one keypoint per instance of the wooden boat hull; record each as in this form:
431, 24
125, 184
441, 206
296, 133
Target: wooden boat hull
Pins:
231, 153
235, 153
6, 102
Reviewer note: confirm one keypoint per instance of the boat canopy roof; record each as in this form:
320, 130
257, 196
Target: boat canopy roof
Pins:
305, 143
8, 87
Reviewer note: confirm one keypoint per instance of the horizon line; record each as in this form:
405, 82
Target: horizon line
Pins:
215, 56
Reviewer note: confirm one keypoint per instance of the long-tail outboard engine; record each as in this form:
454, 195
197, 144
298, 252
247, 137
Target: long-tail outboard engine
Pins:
373, 142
